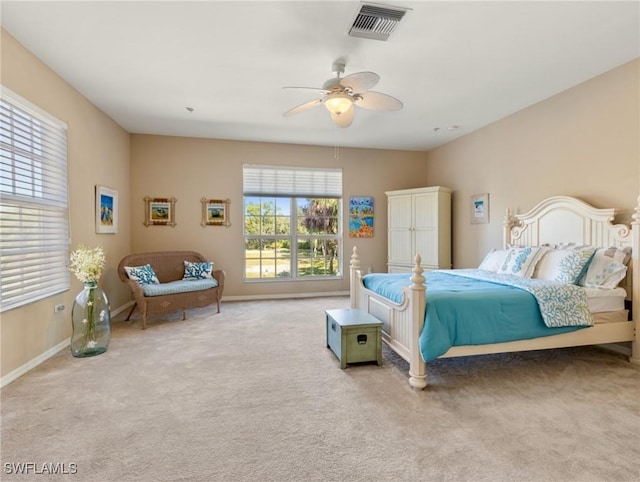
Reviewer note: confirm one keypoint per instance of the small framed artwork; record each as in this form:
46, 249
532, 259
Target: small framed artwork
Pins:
361, 217
106, 210
480, 208
215, 212
159, 211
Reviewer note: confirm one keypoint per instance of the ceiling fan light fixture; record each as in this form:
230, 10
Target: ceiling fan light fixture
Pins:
337, 103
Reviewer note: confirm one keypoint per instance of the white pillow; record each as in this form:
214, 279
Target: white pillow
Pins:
603, 272
493, 260
621, 255
521, 261
564, 265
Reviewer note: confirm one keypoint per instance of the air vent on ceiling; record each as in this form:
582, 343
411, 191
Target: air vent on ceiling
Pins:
376, 21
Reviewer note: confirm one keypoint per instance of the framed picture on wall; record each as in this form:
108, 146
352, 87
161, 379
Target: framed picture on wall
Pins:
480, 208
159, 211
361, 217
106, 210
215, 212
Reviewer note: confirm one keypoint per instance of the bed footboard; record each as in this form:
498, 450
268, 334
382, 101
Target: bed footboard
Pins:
401, 323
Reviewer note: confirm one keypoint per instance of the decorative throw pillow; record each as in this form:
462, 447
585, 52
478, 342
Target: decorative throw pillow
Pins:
521, 261
144, 275
493, 260
606, 269
564, 265
197, 270
621, 255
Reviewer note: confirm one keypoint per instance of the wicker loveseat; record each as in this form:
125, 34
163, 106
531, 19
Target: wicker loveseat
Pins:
169, 268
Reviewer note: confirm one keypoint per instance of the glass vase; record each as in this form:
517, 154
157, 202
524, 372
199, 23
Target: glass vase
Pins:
91, 319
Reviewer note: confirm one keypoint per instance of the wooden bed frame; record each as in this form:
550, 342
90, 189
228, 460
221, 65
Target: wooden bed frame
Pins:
559, 219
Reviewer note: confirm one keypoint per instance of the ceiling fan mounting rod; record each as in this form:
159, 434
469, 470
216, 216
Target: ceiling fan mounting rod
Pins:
338, 68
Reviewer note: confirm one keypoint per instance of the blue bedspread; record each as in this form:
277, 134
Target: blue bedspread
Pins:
464, 311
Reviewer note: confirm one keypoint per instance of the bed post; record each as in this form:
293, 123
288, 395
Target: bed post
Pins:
635, 281
354, 286
507, 224
417, 366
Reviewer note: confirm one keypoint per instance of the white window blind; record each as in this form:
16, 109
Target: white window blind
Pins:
291, 181
34, 214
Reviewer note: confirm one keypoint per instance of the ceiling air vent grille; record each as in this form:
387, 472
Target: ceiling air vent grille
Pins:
376, 22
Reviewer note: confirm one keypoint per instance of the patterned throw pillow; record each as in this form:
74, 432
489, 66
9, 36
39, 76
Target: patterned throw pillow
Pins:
521, 261
197, 270
564, 265
621, 255
144, 275
607, 268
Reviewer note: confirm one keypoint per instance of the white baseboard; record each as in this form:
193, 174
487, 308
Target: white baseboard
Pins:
31, 364
117, 311
284, 296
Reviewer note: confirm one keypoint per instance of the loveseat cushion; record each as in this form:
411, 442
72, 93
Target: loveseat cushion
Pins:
180, 286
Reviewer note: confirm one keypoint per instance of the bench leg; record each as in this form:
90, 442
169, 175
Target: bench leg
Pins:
144, 316
131, 312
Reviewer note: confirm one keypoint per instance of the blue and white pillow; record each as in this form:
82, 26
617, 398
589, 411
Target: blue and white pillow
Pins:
564, 265
198, 270
521, 261
144, 275
607, 268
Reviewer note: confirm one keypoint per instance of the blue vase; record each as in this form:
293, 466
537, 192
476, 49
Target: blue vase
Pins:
91, 320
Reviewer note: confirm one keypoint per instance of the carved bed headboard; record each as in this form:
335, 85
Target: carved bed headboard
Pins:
564, 219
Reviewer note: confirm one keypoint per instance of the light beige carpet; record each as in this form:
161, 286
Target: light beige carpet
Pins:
253, 394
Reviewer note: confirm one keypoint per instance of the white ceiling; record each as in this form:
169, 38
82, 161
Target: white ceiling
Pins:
451, 63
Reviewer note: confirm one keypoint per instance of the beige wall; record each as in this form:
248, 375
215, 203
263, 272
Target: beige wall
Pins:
98, 153
190, 169
583, 142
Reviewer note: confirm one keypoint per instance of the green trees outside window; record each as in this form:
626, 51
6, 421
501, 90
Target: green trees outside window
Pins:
291, 237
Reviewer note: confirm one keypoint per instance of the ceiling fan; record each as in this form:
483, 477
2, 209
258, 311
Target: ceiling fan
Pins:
341, 94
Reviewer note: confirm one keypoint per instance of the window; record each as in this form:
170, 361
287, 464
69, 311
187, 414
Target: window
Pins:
34, 218
292, 223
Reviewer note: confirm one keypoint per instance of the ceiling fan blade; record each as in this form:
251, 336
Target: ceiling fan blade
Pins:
345, 119
302, 107
360, 81
319, 90
378, 101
